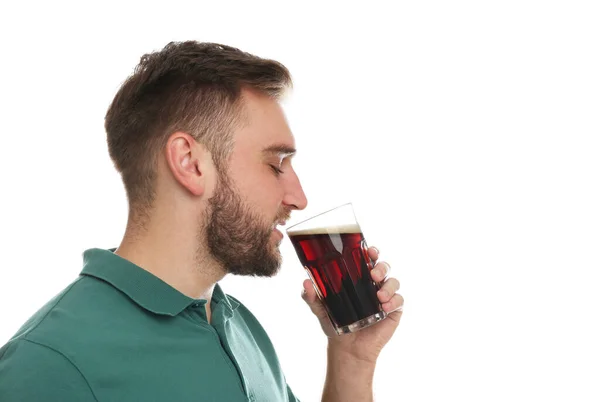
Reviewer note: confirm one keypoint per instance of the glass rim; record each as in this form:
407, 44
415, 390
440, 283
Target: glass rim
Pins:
322, 213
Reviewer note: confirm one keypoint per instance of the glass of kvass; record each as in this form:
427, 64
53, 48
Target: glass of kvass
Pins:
333, 250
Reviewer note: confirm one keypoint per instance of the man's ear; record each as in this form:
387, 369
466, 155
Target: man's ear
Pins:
187, 161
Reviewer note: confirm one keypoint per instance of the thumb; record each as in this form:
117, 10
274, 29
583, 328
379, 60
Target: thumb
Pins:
309, 295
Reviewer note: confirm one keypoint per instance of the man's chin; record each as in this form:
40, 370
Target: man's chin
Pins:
262, 273
265, 267
272, 270
269, 274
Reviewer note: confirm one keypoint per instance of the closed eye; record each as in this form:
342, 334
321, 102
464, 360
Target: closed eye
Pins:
276, 170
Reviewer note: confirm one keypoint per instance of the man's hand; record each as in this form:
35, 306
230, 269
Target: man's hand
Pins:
366, 344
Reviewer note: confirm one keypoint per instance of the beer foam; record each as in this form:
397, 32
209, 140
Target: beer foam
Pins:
349, 228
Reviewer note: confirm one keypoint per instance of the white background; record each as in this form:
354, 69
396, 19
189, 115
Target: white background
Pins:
465, 133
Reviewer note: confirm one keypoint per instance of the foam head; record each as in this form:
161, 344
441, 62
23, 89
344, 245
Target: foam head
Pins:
340, 229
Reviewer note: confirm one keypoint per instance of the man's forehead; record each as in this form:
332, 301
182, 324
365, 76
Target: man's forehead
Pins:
266, 128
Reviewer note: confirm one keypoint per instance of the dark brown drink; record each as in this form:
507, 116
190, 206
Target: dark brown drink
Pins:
337, 264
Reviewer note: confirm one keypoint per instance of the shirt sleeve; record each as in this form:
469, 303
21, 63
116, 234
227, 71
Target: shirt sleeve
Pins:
33, 372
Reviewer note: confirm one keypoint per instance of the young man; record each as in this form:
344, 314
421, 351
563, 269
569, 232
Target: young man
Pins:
204, 151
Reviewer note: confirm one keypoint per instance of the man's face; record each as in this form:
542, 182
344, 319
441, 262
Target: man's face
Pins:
257, 193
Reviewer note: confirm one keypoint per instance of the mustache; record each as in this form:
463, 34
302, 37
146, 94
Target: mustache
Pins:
284, 215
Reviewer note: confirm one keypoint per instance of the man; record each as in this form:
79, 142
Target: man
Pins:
204, 152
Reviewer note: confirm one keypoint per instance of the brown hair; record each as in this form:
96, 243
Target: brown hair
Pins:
187, 86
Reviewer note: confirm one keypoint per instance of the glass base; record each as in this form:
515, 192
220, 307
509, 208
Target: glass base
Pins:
360, 324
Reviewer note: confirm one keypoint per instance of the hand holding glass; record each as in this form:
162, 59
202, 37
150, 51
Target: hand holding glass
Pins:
333, 250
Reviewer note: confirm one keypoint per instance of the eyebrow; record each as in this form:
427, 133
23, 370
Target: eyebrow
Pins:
280, 149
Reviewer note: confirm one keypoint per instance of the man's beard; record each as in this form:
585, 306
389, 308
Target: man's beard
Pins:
238, 238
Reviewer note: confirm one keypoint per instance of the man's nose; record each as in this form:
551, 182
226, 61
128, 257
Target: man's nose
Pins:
294, 195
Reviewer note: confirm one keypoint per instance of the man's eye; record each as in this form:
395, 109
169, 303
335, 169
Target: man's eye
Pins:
276, 170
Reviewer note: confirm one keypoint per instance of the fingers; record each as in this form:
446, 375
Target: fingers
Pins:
373, 253
395, 304
388, 289
390, 300
380, 271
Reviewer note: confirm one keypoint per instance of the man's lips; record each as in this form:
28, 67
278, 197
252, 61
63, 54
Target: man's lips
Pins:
278, 232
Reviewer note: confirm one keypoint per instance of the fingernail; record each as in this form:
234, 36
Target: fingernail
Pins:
386, 270
376, 249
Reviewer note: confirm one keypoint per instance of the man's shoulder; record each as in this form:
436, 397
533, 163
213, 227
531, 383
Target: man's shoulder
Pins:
44, 315
20, 353
56, 376
83, 307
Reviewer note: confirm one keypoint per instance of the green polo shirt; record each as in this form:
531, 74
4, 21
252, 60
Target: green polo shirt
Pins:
118, 333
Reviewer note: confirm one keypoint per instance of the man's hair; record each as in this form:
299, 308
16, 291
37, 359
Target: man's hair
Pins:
190, 87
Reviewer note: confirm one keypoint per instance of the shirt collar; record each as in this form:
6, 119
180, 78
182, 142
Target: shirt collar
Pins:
145, 289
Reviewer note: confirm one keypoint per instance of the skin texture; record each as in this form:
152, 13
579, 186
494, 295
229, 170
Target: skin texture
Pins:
206, 223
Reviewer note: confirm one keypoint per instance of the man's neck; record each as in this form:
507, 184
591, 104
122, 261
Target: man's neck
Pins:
180, 265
